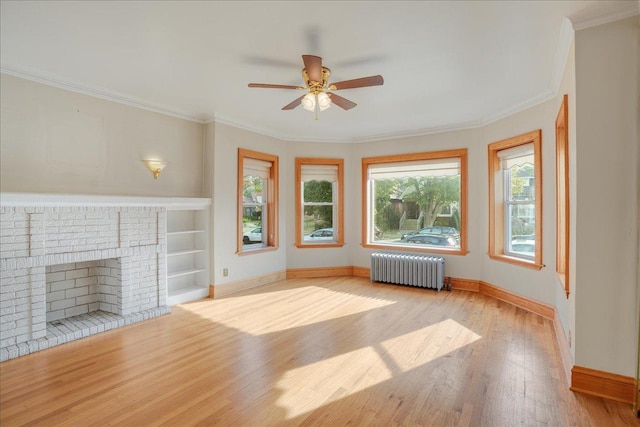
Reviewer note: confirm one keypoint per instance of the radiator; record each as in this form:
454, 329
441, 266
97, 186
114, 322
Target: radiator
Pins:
408, 269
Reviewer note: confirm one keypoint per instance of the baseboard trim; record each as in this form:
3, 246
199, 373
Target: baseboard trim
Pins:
221, 291
361, 271
602, 384
563, 347
460, 284
533, 306
305, 273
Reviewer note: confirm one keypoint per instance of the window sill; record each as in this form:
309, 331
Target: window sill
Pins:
257, 251
318, 245
430, 250
516, 261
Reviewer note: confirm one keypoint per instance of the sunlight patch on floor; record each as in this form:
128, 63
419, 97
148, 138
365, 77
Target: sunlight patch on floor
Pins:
421, 346
309, 387
300, 312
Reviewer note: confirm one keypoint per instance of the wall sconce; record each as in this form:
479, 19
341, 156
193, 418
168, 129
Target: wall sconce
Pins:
155, 166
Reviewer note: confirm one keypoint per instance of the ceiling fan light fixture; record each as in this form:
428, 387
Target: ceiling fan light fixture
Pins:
324, 101
309, 102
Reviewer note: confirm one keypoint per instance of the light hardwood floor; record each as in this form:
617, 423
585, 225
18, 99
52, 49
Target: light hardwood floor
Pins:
332, 351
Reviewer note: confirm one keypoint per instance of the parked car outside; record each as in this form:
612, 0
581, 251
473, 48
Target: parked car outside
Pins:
435, 229
253, 236
432, 240
321, 234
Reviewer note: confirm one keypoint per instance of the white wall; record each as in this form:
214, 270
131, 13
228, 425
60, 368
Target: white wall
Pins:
607, 173
57, 141
227, 140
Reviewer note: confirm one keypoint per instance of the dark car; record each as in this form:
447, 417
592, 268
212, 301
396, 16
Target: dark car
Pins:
432, 240
435, 229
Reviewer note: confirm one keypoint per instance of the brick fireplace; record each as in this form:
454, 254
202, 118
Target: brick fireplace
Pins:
70, 268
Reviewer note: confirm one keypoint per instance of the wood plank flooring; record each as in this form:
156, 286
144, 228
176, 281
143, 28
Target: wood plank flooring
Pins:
312, 352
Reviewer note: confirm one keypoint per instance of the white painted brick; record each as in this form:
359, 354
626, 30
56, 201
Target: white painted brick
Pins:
65, 303
60, 267
86, 299
74, 311
55, 315
74, 274
23, 294
66, 284
76, 292
55, 296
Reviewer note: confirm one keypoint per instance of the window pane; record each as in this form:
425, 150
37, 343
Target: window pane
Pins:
253, 211
318, 191
417, 210
521, 233
522, 182
318, 222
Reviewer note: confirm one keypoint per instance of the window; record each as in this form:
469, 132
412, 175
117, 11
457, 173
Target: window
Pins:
319, 200
515, 206
257, 201
562, 194
416, 201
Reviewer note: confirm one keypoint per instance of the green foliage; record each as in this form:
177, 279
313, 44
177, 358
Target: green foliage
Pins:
318, 191
251, 185
388, 218
431, 194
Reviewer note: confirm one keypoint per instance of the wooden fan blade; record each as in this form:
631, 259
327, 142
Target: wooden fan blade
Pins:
341, 102
361, 82
270, 86
313, 65
293, 104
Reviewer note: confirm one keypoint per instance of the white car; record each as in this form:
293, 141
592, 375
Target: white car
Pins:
253, 236
321, 234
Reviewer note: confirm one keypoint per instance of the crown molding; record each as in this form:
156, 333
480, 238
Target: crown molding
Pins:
563, 46
97, 93
631, 10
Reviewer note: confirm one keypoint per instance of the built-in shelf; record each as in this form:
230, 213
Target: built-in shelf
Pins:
187, 254
177, 233
185, 272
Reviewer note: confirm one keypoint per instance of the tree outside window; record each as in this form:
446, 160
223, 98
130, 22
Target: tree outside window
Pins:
416, 201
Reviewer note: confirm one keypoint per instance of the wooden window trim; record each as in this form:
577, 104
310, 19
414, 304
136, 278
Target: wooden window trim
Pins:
562, 194
300, 161
496, 213
431, 155
272, 201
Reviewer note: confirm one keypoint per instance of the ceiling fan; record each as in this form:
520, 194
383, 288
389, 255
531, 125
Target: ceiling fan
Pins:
320, 96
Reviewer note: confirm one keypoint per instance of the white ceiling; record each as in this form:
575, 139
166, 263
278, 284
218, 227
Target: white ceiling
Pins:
446, 65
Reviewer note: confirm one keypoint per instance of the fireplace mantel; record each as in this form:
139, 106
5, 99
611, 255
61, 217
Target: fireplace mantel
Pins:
64, 200
48, 236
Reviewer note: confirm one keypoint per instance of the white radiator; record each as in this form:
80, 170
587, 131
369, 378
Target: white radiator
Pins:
408, 269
